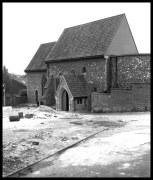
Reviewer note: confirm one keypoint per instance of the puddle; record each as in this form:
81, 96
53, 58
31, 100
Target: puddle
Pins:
21, 130
109, 124
100, 123
77, 123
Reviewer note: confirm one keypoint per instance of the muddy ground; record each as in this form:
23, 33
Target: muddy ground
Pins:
47, 131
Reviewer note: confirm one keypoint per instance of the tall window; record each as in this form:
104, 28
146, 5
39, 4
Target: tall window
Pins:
47, 70
44, 80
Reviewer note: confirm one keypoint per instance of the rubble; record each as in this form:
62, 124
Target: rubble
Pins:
35, 143
44, 108
29, 115
45, 112
32, 139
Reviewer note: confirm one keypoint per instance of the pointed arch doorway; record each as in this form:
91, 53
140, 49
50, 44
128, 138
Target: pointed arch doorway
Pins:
65, 101
36, 98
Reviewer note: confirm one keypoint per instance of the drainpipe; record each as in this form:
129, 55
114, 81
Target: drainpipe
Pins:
106, 73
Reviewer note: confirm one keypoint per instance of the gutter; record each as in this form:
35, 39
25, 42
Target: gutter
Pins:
37, 70
71, 59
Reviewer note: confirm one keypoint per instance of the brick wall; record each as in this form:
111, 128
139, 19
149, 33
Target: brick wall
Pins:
137, 98
82, 106
95, 70
34, 80
130, 69
141, 95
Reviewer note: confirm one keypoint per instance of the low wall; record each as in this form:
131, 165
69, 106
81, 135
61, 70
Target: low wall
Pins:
135, 99
141, 95
19, 100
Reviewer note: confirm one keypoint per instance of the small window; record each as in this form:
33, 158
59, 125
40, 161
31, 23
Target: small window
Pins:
95, 89
84, 70
79, 101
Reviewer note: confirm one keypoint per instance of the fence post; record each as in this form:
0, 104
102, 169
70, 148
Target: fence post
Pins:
4, 94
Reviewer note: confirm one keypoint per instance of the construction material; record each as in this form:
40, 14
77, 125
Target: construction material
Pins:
20, 115
46, 109
14, 118
28, 115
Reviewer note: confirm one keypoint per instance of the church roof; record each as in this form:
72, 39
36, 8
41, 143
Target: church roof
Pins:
37, 63
78, 85
86, 40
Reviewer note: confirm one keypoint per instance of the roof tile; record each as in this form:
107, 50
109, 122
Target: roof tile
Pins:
89, 39
37, 62
77, 85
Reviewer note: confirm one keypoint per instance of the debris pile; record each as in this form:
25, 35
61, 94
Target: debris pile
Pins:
44, 108
28, 115
44, 112
21, 152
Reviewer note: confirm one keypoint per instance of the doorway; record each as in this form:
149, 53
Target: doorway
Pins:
36, 97
65, 101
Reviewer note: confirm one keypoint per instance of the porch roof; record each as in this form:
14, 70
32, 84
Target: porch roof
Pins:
78, 85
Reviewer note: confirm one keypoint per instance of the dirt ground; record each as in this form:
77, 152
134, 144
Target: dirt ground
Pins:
47, 131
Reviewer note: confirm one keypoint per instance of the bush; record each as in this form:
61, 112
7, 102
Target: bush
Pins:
22, 92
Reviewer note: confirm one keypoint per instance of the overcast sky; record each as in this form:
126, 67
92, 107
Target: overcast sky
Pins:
27, 25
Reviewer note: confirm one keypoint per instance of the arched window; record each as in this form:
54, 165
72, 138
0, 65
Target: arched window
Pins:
36, 96
44, 80
84, 70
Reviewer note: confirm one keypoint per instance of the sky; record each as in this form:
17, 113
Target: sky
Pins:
27, 25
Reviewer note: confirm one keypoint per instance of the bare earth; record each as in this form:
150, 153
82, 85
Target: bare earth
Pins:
121, 151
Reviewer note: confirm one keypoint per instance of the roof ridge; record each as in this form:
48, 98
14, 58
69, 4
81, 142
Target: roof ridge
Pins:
47, 43
56, 42
95, 21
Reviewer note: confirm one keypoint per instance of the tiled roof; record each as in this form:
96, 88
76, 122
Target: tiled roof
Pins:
85, 40
19, 79
37, 63
77, 85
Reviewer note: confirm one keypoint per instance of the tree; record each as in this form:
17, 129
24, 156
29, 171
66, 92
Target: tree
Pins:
6, 79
